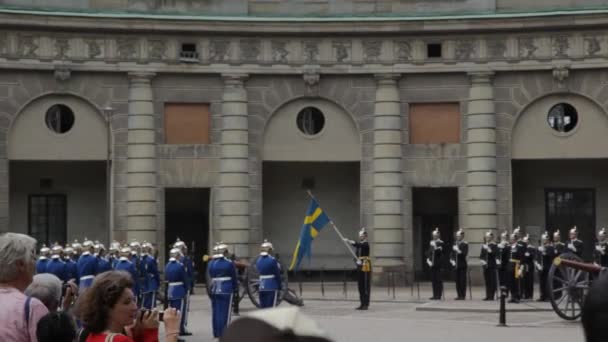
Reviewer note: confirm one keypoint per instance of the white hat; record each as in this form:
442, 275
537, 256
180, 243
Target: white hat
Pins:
175, 252
602, 232
526, 238
362, 232
460, 232
266, 244
545, 235
45, 250
289, 319
436, 232
574, 230
179, 243
489, 234
504, 235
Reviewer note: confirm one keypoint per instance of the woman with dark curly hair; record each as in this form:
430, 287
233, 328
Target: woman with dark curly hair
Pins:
108, 312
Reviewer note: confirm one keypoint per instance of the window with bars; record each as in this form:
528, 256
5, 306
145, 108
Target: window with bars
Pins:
48, 218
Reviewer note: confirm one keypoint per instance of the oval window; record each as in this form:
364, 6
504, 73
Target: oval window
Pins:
310, 121
562, 117
59, 118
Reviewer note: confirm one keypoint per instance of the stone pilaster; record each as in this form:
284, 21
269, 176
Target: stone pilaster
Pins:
233, 192
481, 159
388, 231
141, 161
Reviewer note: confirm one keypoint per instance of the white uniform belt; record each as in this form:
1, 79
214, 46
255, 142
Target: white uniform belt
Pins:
221, 279
87, 277
177, 283
268, 276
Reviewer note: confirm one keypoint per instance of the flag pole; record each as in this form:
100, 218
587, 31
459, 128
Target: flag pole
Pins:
335, 228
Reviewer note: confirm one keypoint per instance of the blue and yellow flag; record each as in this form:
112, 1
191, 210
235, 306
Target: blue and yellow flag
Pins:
314, 221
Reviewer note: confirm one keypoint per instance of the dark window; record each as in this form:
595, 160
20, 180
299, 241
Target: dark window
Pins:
433, 50
310, 121
188, 51
48, 218
562, 117
59, 118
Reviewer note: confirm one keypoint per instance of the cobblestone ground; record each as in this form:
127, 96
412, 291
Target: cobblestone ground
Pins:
398, 320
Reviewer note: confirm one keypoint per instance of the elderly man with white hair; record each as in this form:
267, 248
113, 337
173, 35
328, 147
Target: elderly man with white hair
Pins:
19, 314
47, 288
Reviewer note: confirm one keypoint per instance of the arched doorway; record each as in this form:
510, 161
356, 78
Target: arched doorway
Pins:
58, 151
559, 162
311, 143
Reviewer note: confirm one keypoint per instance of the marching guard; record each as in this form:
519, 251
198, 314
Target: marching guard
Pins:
434, 261
175, 275
364, 268
71, 267
43, 259
502, 261
601, 249
546, 254
489, 256
56, 265
189, 269
125, 263
270, 276
151, 281
558, 245
574, 244
103, 264
87, 266
222, 274
528, 276
515, 267
458, 259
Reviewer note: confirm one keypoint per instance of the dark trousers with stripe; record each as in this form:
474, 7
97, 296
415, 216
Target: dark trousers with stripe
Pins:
179, 304
461, 282
437, 282
221, 309
364, 285
268, 299
149, 300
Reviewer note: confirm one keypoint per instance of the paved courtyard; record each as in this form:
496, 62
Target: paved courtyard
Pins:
406, 319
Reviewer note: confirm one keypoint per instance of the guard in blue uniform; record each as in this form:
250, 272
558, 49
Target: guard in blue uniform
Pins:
488, 257
433, 260
574, 244
71, 267
544, 258
113, 254
189, 268
136, 260
502, 260
270, 276
43, 259
364, 268
458, 259
601, 249
175, 275
515, 268
87, 266
152, 278
528, 276
103, 264
222, 273
56, 265
560, 248
125, 264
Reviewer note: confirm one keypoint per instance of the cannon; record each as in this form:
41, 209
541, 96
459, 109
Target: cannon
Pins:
248, 277
568, 282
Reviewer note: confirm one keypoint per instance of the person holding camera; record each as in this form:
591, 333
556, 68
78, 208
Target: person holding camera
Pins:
108, 312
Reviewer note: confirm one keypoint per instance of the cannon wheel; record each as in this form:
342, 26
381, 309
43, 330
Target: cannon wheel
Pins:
567, 288
252, 277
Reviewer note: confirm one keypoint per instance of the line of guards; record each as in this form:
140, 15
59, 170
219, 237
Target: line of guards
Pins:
511, 262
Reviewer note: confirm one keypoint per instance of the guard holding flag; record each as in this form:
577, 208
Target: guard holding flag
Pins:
223, 284
364, 268
270, 276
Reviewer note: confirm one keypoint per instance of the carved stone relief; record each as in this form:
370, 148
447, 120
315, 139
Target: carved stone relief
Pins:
527, 47
465, 49
157, 49
126, 48
219, 50
403, 50
342, 50
497, 48
27, 46
372, 49
560, 45
560, 74
62, 47
311, 51
250, 50
592, 46
93, 47
279, 51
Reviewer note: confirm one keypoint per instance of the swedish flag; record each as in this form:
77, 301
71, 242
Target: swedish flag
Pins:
314, 221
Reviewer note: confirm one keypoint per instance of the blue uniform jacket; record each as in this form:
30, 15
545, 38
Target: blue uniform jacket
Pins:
270, 273
103, 265
175, 274
71, 269
57, 267
151, 276
87, 265
124, 264
223, 276
41, 264
189, 268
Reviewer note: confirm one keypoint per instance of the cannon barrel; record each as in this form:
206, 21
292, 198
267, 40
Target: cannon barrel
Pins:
577, 265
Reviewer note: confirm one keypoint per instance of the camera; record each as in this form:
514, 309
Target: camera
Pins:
143, 311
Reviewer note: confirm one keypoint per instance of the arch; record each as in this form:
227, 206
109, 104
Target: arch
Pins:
30, 139
339, 140
533, 138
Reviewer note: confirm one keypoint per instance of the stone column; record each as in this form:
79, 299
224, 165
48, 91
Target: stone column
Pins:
481, 160
141, 161
388, 231
233, 192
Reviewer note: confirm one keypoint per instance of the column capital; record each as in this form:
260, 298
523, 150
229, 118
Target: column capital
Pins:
141, 76
482, 76
387, 78
234, 79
